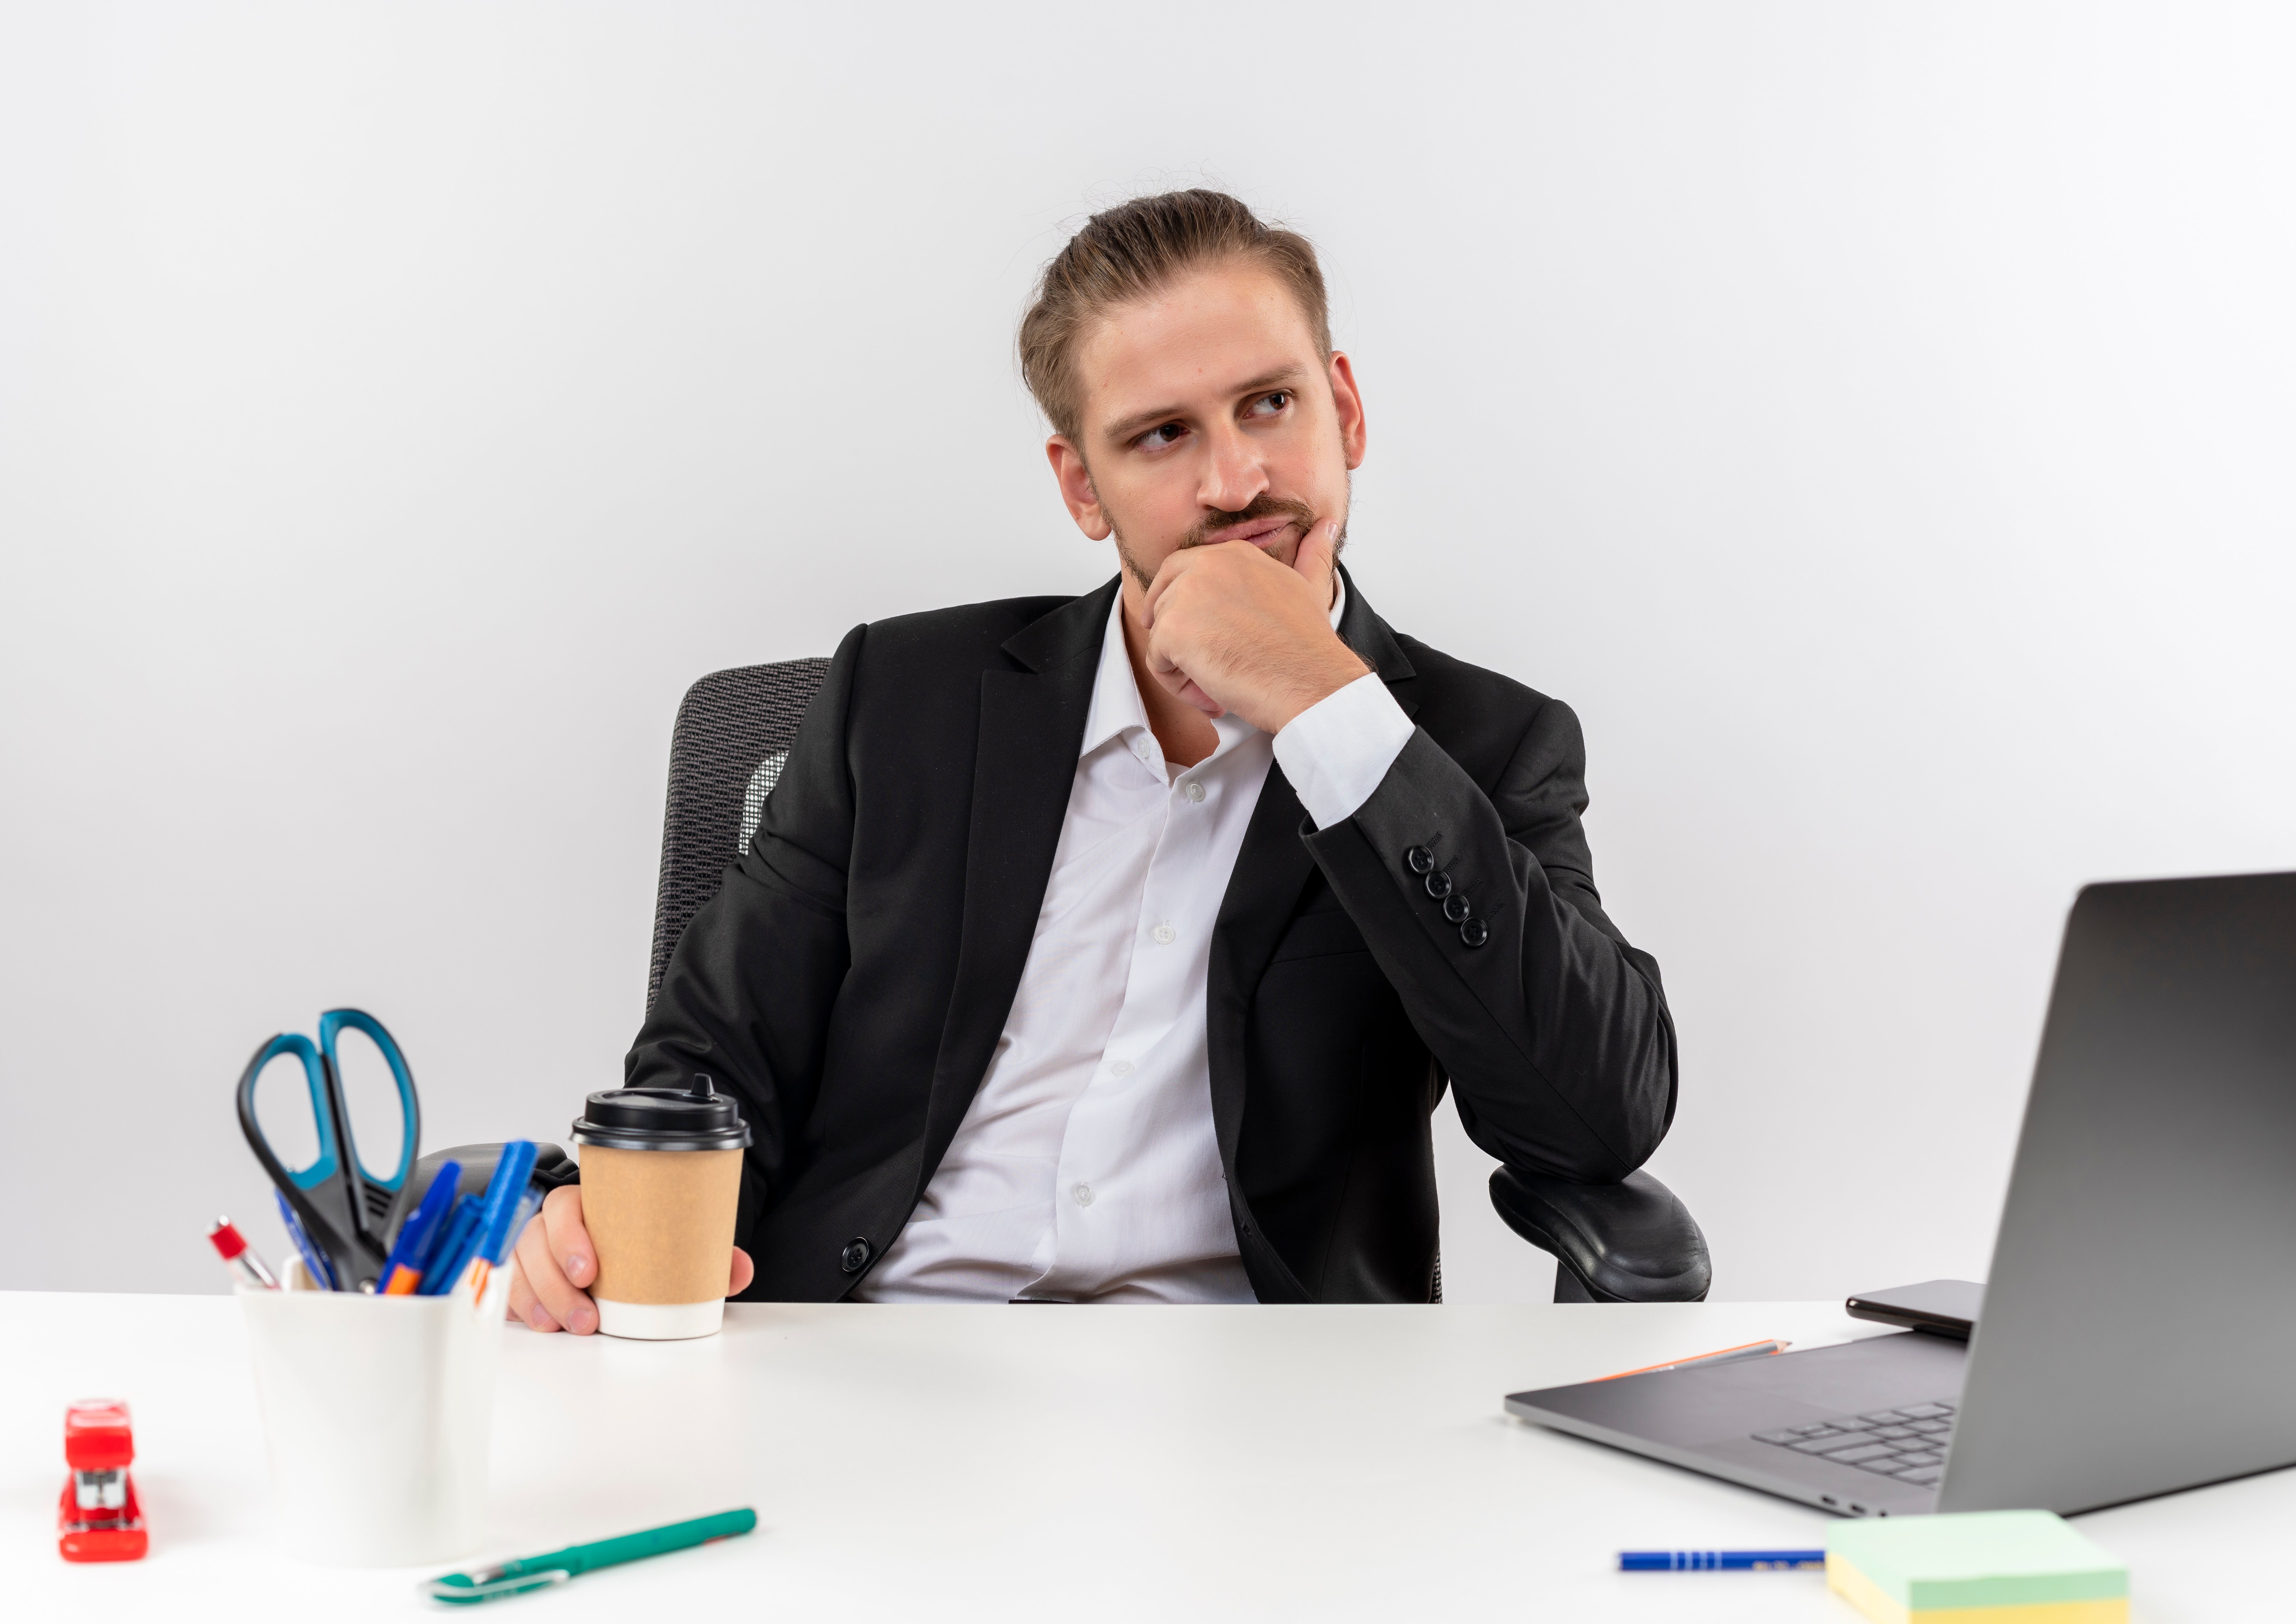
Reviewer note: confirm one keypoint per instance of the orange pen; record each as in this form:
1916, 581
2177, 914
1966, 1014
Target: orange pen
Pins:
1720, 1356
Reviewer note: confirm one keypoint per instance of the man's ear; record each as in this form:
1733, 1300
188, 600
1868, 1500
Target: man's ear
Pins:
1346, 403
1074, 480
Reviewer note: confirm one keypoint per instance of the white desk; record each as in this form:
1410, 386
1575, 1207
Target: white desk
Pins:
930, 1464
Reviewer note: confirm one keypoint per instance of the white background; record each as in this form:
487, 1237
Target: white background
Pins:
1876, 421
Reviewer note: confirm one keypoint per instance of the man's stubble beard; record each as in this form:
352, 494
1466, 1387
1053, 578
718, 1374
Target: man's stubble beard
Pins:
1263, 506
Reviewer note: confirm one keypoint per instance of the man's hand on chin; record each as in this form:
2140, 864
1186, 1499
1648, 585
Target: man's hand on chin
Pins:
1232, 628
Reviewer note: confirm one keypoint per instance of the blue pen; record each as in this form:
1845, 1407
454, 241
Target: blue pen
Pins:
1682, 1561
403, 1272
529, 1205
492, 1213
453, 1242
314, 1261
505, 1194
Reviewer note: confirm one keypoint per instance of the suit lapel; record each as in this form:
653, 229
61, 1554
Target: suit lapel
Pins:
1271, 870
1024, 765
1362, 630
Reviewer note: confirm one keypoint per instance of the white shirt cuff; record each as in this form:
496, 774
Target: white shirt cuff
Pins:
1336, 750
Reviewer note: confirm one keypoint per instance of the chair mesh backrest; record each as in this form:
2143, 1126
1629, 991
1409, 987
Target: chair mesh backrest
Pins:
734, 731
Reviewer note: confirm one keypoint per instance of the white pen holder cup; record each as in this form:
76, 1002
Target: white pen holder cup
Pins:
377, 1413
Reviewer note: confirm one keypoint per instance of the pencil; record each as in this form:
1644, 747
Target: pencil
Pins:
1720, 1356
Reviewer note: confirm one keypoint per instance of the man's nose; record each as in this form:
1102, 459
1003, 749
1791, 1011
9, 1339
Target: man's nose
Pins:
1234, 475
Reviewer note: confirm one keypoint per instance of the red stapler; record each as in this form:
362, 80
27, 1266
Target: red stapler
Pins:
99, 1519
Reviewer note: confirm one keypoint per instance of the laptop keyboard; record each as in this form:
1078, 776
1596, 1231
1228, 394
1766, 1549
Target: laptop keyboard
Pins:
1907, 1444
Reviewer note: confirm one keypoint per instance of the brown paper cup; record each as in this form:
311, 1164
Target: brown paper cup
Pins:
663, 1224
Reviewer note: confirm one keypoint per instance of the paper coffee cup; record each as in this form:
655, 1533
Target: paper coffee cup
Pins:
661, 1177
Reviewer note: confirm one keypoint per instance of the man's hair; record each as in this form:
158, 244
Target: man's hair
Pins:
1130, 252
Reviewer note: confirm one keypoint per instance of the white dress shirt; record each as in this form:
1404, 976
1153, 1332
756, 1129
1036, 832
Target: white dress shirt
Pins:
1086, 1168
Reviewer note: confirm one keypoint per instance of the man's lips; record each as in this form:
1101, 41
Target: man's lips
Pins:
1258, 532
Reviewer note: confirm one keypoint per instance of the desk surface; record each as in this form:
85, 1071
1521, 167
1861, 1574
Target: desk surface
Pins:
1016, 1463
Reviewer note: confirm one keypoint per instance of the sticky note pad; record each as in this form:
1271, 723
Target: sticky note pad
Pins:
1986, 1567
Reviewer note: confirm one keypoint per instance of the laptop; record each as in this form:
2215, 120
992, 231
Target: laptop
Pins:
2140, 1314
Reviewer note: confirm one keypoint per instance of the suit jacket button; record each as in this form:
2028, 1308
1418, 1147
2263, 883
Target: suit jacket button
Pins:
1438, 884
1474, 932
856, 1255
1456, 907
1420, 859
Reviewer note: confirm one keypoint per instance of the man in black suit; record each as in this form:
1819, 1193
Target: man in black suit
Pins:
1119, 948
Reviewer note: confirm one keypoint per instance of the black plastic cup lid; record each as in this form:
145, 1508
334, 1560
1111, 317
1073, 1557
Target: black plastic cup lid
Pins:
699, 1118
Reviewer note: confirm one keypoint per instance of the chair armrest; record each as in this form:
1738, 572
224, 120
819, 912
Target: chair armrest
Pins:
1630, 1241
552, 1167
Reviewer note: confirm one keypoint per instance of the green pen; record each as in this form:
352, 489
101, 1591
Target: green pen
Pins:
522, 1574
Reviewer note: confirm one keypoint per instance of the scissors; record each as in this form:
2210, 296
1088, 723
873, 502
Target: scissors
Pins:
341, 1203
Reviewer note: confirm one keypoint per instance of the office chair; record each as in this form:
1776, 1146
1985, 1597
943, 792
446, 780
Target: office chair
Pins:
726, 750
1631, 1241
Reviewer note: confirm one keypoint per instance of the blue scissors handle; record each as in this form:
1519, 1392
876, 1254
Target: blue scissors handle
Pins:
410, 1111
328, 1164
322, 1195
343, 1207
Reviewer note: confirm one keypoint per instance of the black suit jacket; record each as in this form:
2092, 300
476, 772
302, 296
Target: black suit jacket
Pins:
855, 970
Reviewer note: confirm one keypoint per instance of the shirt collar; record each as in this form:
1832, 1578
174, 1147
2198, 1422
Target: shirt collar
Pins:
1117, 711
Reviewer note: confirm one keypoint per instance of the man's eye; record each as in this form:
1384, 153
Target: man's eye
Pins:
1162, 435
1270, 404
